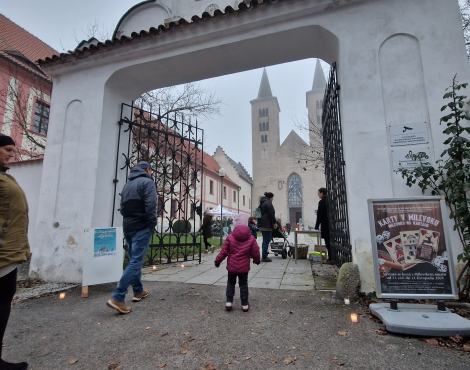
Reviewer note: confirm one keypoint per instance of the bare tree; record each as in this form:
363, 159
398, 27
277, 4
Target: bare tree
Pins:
191, 100
310, 155
17, 92
465, 13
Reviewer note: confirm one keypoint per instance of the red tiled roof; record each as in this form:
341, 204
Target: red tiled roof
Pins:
21, 47
152, 32
213, 166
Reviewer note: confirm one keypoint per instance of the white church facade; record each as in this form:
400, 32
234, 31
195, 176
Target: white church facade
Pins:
276, 166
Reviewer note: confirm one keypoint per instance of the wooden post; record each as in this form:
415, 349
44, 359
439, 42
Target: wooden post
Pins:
85, 291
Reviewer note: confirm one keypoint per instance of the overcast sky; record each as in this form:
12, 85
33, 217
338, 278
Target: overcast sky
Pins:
60, 22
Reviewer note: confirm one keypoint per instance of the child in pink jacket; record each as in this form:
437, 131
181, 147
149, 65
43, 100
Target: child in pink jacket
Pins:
239, 246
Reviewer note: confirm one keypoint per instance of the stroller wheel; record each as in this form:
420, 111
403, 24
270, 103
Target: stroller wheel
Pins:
284, 254
290, 252
275, 254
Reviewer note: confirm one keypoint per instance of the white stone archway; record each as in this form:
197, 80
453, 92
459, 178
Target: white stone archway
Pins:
90, 85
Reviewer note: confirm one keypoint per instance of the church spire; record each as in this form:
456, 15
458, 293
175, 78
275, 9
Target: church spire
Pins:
265, 88
319, 81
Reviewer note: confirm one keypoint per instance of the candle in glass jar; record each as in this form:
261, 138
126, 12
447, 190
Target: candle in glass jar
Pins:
354, 317
182, 266
346, 301
154, 267
62, 295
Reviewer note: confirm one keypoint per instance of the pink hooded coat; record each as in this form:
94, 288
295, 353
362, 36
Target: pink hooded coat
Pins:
239, 246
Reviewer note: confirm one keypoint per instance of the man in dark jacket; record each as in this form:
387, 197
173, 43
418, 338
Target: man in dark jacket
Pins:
267, 223
139, 209
322, 219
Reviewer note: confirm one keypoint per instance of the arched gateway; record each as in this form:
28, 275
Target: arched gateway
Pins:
394, 59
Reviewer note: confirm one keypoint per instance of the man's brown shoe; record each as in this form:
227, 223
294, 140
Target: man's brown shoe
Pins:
137, 298
118, 306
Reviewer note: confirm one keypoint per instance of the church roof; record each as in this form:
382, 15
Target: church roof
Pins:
265, 87
319, 81
293, 140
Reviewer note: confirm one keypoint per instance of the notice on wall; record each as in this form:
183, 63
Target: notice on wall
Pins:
411, 251
104, 242
409, 134
407, 159
103, 255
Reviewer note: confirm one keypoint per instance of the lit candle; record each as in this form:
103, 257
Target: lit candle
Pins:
346, 301
354, 317
62, 295
154, 267
182, 266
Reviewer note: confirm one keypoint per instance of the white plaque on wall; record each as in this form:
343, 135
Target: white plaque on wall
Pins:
405, 158
409, 134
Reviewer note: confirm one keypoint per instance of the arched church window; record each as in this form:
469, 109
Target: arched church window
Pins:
264, 126
294, 188
264, 113
265, 138
267, 126
260, 127
267, 113
260, 113
262, 138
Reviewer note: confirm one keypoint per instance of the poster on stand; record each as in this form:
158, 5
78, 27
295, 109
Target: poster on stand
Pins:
411, 249
103, 255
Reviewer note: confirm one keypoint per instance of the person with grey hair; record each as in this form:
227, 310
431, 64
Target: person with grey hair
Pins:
139, 211
14, 246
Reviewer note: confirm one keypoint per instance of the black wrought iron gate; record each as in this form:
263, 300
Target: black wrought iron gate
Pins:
335, 171
174, 148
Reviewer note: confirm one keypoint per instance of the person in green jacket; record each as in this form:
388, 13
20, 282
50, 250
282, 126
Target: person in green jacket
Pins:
14, 246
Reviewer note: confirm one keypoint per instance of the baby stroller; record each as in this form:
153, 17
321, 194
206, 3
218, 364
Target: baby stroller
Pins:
279, 243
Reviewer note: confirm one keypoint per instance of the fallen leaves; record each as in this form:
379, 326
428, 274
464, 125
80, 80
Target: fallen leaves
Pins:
187, 333
432, 342
247, 358
165, 334
273, 361
184, 351
466, 347
161, 366
71, 362
305, 354
289, 361
382, 331
147, 328
342, 333
114, 366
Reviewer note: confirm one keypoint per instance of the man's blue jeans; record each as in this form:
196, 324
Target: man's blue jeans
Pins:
267, 236
138, 242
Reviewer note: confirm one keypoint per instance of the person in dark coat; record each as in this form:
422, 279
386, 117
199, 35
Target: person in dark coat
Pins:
139, 210
206, 229
252, 225
239, 247
267, 223
323, 222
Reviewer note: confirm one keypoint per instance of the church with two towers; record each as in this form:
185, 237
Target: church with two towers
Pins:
276, 166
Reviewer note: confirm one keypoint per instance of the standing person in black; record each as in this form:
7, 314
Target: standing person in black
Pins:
267, 223
322, 219
206, 229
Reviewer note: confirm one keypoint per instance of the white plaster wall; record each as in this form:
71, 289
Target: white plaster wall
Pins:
348, 32
27, 174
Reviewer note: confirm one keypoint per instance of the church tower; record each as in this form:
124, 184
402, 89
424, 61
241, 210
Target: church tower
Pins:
315, 98
265, 136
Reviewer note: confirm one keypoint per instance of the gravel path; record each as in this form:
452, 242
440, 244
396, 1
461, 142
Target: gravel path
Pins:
184, 327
